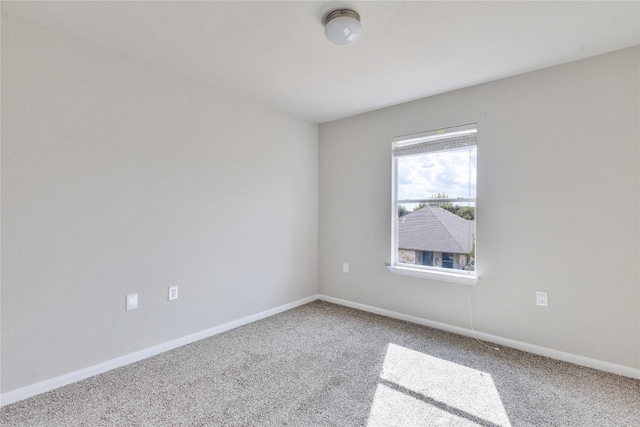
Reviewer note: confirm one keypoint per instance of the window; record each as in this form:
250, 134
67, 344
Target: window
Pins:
447, 260
434, 204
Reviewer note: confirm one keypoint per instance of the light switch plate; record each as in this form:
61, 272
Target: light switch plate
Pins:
132, 301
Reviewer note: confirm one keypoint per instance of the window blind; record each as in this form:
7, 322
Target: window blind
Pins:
436, 140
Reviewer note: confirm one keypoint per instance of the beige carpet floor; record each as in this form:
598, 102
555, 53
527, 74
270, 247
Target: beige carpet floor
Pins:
327, 365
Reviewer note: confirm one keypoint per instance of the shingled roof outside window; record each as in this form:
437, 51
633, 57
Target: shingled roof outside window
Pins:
436, 230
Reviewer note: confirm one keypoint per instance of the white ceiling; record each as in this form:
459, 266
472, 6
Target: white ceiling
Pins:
275, 53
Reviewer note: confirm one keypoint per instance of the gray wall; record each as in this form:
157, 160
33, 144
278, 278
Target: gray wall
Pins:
558, 208
119, 178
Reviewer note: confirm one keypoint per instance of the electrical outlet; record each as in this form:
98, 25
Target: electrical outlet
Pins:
345, 267
132, 301
173, 293
542, 298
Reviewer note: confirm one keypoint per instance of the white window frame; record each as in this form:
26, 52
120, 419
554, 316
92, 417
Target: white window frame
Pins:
442, 139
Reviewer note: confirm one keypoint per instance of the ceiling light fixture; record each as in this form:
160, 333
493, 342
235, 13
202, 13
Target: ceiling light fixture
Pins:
342, 26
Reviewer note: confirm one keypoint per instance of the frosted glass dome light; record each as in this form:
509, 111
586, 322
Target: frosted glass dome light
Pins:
342, 26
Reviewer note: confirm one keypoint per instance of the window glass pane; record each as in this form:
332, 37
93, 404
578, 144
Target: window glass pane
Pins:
433, 233
446, 172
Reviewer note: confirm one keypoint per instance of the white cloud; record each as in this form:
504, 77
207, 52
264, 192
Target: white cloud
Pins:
449, 172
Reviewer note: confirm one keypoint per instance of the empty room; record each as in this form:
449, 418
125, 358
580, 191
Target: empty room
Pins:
320, 213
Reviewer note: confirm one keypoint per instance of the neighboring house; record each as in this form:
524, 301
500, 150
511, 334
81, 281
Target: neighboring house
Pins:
436, 237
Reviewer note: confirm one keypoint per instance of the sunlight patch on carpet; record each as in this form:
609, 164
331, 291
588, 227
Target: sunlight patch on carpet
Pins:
421, 390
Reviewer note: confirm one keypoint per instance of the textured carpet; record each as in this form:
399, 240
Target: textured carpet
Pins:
327, 365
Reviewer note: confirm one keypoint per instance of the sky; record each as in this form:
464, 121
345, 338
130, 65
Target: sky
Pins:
423, 176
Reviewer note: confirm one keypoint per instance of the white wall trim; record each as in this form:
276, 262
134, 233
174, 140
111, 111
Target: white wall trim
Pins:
72, 377
444, 276
519, 345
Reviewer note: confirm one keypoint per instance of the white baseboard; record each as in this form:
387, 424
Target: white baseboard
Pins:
531, 348
72, 377
53, 383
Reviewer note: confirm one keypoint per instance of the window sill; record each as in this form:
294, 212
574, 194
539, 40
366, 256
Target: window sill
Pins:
443, 276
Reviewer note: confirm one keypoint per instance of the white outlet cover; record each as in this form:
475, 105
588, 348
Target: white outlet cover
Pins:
345, 267
542, 298
173, 293
132, 301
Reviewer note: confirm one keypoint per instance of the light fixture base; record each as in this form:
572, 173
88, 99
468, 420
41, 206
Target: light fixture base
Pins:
348, 13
